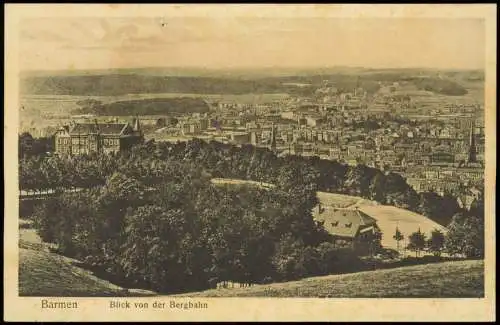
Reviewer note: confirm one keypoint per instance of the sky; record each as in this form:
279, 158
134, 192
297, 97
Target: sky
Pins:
222, 43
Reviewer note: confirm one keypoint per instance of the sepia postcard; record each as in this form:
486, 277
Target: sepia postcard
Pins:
249, 162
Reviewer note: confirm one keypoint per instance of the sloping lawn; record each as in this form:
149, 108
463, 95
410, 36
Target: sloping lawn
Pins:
448, 279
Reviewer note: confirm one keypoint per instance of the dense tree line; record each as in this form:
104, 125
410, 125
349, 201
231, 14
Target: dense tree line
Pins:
260, 164
466, 231
147, 106
440, 86
465, 235
246, 162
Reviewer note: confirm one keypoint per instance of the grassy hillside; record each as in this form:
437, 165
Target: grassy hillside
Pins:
42, 273
46, 274
440, 280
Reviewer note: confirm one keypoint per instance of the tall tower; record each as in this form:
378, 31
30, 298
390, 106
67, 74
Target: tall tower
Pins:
96, 126
95, 138
472, 144
273, 138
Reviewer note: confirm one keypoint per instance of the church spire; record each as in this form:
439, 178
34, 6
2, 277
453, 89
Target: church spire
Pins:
96, 126
472, 144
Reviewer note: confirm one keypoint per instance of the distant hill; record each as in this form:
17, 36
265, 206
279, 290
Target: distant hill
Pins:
251, 73
116, 82
463, 279
123, 84
440, 86
203, 72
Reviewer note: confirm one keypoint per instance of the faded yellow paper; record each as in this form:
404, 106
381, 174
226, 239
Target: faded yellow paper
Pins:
372, 49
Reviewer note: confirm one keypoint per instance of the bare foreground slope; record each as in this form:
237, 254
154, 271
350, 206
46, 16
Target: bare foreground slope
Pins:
42, 273
47, 274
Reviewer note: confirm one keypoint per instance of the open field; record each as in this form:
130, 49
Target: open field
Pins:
389, 217
40, 111
258, 98
239, 182
440, 280
341, 200
424, 98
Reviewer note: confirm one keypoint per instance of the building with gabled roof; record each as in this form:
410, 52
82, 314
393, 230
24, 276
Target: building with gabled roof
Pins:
84, 138
349, 228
